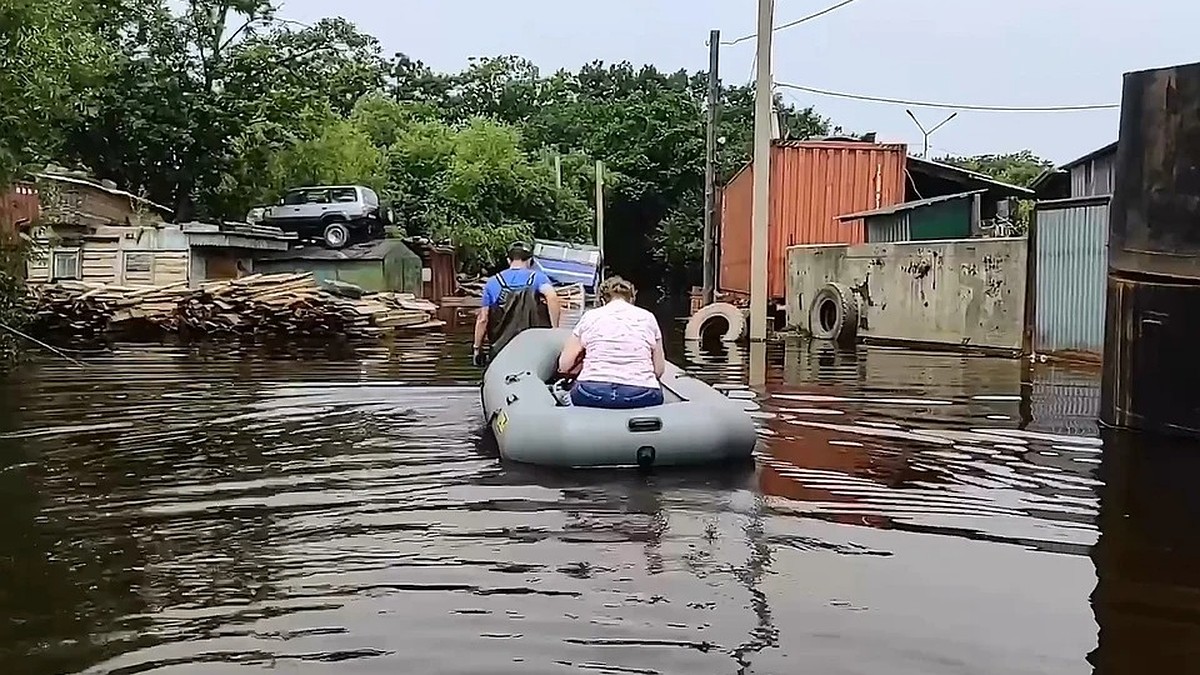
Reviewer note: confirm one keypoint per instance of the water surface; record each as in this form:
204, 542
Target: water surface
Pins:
227, 509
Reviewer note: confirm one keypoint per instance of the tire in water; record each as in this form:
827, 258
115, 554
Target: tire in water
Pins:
734, 317
833, 314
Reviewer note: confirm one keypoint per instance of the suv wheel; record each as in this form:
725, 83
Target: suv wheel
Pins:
337, 235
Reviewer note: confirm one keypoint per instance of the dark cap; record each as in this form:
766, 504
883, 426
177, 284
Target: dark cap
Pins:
519, 250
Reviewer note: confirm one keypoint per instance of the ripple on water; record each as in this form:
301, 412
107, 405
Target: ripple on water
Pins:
203, 510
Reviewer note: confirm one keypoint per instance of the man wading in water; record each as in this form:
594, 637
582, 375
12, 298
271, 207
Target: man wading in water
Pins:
513, 300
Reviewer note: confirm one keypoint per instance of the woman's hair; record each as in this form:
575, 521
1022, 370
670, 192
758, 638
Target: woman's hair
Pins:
616, 287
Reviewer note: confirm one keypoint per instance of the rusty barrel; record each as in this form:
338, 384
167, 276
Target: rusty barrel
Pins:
1152, 332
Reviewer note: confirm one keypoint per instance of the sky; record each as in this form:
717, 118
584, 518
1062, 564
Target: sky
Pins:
978, 52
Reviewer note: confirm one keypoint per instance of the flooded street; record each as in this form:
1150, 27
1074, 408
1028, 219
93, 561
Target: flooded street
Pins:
209, 510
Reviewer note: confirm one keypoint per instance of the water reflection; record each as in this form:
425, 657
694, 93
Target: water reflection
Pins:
199, 509
1147, 599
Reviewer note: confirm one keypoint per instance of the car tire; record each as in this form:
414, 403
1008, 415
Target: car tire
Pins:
834, 314
337, 234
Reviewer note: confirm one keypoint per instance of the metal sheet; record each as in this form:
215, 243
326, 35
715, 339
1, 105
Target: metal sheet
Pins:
889, 229
1155, 226
812, 183
1071, 265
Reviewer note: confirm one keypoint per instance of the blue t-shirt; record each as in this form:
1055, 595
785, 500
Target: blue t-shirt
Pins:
515, 278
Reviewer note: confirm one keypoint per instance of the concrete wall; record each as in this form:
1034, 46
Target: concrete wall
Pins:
960, 292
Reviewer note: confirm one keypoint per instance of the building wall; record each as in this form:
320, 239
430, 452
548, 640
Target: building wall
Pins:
1070, 263
73, 204
402, 276
944, 220
1094, 177
967, 292
19, 203
442, 278
812, 183
131, 256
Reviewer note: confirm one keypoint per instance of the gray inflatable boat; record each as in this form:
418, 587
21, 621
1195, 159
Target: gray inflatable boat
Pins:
696, 424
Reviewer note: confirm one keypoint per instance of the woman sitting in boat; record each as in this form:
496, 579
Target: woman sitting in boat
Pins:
622, 352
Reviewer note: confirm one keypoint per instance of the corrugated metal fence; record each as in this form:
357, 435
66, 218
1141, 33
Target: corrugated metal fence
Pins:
1070, 271
889, 229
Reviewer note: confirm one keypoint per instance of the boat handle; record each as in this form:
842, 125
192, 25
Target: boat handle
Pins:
641, 424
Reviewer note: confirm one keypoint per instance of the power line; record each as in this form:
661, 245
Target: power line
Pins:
951, 106
790, 24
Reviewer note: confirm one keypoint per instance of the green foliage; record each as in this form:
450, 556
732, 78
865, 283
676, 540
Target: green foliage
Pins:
1017, 168
215, 106
12, 292
49, 60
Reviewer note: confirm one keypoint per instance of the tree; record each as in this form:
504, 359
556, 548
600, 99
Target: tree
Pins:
49, 59
193, 87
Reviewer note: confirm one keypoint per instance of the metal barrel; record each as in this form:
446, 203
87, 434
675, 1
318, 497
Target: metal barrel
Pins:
1151, 376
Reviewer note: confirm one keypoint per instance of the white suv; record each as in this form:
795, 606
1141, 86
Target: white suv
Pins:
335, 214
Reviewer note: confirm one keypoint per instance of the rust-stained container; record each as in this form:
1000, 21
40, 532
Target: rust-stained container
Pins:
812, 183
18, 204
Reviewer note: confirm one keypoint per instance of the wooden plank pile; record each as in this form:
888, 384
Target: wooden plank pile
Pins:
291, 304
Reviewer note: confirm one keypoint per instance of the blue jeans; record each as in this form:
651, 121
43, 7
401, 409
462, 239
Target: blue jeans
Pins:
609, 395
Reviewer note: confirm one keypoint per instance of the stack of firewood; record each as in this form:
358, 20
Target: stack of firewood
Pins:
292, 304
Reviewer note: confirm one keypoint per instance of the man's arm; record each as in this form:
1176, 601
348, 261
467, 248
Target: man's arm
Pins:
481, 315
481, 322
553, 302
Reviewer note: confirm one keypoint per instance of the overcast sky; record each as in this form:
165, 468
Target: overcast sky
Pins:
991, 52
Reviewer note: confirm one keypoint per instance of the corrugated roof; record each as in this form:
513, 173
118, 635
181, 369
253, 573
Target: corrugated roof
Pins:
371, 250
62, 178
972, 175
1065, 168
1111, 147
908, 206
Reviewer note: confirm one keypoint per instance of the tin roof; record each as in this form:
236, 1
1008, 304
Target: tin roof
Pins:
379, 249
931, 166
908, 206
1064, 168
75, 180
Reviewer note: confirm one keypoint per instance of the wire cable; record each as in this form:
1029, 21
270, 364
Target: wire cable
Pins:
951, 106
790, 24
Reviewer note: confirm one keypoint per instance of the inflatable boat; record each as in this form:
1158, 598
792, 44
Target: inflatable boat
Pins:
528, 413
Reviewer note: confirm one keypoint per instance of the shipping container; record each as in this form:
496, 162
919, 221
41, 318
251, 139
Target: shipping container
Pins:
812, 183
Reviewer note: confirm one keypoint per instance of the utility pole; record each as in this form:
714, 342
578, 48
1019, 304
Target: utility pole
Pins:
710, 168
925, 152
762, 175
558, 170
600, 213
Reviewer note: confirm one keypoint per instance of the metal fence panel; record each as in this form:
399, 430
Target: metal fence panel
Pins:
889, 229
1071, 268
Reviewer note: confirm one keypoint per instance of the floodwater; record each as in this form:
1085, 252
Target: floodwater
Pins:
225, 510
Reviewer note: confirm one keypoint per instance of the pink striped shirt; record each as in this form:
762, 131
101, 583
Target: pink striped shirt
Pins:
618, 339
